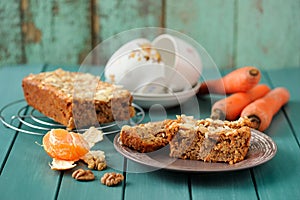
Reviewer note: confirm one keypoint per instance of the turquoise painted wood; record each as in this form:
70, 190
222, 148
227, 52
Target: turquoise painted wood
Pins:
24, 164
289, 79
10, 33
281, 132
71, 189
118, 16
272, 176
234, 32
156, 185
232, 185
13, 80
26, 150
56, 31
210, 23
268, 33
27, 166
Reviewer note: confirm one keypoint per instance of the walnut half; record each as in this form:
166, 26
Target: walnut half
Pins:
95, 160
112, 178
83, 175
97, 164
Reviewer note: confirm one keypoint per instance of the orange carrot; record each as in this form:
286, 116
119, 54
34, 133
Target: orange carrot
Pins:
239, 80
231, 107
262, 110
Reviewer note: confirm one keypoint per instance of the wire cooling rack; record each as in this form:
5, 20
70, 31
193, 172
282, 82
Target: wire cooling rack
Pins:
21, 117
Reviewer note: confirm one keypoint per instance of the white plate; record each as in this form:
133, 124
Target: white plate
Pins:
165, 100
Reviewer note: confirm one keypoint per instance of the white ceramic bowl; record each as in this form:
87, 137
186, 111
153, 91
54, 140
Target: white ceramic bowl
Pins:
173, 61
182, 58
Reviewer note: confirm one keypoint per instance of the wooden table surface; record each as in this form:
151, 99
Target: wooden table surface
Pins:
25, 174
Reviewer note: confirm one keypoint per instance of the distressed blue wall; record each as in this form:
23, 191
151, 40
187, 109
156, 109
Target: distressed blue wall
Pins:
264, 33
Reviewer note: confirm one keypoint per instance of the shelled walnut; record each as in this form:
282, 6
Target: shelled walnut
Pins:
112, 178
83, 175
95, 160
97, 164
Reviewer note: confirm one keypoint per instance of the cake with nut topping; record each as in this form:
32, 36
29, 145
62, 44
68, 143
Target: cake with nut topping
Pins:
77, 99
146, 137
210, 140
206, 139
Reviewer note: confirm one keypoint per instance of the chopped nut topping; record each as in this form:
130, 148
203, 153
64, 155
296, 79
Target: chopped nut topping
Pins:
83, 175
111, 179
79, 85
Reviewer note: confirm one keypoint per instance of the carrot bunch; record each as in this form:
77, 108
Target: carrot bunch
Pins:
245, 97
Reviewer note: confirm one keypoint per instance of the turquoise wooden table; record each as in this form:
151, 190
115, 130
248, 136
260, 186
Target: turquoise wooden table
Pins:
25, 174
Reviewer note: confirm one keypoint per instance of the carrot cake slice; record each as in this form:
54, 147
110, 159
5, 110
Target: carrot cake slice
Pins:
207, 140
146, 137
210, 140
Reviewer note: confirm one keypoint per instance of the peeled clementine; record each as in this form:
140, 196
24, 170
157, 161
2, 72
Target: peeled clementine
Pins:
64, 145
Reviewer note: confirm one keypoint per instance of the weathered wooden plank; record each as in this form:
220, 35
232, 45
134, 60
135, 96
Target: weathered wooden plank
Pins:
289, 78
27, 165
118, 16
10, 33
36, 29
12, 76
274, 179
278, 179
12, 163
94, 189
56, 32
228, 185
210, 23
157, 184
268, 33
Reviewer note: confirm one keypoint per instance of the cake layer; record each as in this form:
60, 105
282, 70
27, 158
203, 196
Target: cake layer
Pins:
211, 140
